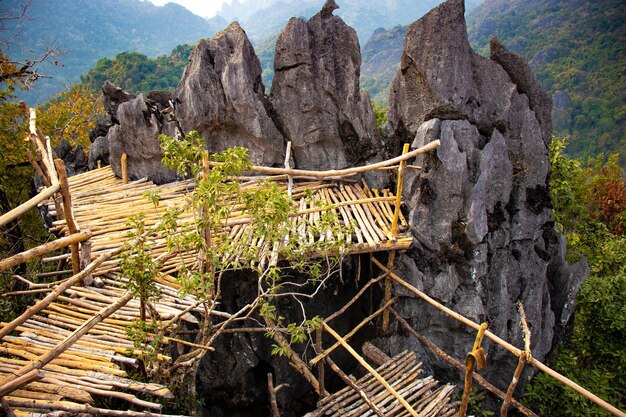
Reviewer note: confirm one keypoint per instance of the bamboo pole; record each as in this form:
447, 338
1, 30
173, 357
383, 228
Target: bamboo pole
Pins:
517, 352
43, 250
23, 208
46, 358
72, 227
344, 172
31, 311
371, 370
396, 213
124, 164
74, 408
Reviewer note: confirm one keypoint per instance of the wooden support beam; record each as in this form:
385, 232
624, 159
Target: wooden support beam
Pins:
372, 371
43, 250
72, 227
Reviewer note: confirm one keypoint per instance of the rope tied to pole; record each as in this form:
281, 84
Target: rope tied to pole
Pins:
475, 357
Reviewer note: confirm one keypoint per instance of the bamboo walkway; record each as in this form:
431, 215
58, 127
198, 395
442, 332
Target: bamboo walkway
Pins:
102, 204
90, 374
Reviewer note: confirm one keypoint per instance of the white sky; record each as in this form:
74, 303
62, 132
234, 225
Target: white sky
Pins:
204, 8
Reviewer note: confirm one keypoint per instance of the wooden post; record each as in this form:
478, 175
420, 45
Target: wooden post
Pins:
320, 366
289, 177
69, 215
124, 164
372, 371
394, 231
388, 290
476, 356
396, 213
85, 259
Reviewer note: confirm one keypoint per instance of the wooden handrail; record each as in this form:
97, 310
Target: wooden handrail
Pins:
517, 352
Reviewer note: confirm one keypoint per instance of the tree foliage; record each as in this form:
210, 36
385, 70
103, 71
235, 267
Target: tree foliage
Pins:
136, 73
590, 208
197, 227
576, 49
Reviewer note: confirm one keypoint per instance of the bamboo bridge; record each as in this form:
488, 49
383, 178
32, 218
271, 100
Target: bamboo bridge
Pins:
69, 352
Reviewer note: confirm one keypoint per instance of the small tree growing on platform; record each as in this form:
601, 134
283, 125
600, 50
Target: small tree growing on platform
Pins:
220, 196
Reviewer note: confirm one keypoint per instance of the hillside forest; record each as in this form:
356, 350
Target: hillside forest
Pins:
576, 49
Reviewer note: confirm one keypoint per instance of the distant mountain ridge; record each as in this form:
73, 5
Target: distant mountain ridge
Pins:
89, 30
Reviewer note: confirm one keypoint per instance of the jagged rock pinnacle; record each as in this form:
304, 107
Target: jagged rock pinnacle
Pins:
328, 8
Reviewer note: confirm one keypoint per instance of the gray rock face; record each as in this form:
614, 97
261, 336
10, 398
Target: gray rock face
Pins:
518, 69
316, 94
136, 121
480, 208
222, 97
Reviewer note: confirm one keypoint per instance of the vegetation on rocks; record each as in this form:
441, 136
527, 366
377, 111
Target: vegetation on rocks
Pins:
589, 201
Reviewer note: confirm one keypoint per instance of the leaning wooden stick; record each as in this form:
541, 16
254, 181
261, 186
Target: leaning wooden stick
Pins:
31, 311
43, 250
372, 371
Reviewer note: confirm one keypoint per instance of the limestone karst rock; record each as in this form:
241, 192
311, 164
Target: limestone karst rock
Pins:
316, 93
222, 97
480, 210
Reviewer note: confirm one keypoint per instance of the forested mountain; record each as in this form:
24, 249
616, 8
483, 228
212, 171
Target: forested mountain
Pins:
88, 30
576, 48
137, 73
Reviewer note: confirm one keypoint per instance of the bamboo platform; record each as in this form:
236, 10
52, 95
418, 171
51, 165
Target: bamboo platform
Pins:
92, 368
102, 204
404, 374
89, 369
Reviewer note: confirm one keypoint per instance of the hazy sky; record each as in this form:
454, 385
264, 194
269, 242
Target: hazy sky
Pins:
204, 8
